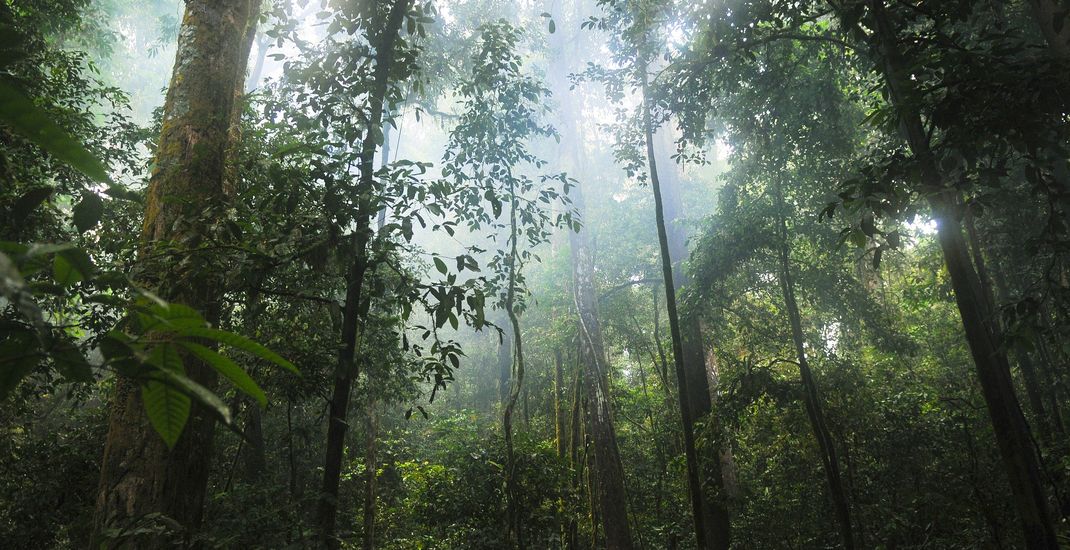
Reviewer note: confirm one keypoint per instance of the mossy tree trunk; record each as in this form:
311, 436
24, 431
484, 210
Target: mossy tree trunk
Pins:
139, 476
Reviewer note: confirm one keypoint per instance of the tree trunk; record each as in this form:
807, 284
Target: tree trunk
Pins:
327, 509
139, 475
811, 397
1011, 430
699, 389
559, 414
711, 525
1025, 362
505, 364
608, 470
572, 535
516, 526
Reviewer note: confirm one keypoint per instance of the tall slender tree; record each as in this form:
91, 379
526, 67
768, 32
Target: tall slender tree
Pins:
385, 37
1012, 433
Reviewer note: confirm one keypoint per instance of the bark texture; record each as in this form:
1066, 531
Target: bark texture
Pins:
608, 471
140, 477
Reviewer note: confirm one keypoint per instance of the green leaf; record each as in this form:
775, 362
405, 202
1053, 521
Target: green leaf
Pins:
441, 266
29, 201
18, 357
239, 342
69, 360
166, 405
71, 265
87, 213
28, 119
63, 272
168, 317
167, 408
167, 395
229, 369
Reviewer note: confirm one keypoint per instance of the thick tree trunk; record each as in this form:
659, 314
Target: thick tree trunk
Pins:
608, 470
1011, 430
811, 397
139, 475
1025, 363
339, 404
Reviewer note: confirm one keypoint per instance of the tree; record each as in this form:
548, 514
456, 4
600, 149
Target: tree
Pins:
1012, 432
140, 476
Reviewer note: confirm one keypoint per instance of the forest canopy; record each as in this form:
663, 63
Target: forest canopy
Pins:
478, 274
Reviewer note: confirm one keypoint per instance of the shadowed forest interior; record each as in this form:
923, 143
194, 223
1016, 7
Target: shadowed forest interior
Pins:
544, 274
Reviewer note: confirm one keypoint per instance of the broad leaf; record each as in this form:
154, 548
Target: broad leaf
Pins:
239, 342
229, 369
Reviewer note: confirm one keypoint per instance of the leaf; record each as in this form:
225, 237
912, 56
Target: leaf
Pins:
13, 287
552, 27
63, 272
165, 404
69, 360
441, 265
29, 201
868, 227
88, 212
239, 342
167, 409
18, 357
229, 369
168, 391
28, 119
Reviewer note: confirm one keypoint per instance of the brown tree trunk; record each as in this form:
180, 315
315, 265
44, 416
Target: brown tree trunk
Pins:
327, 509
505, 364
711, 524
811, 397
1025, 362
139, 475
1011, 430
699, 390
608, 470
